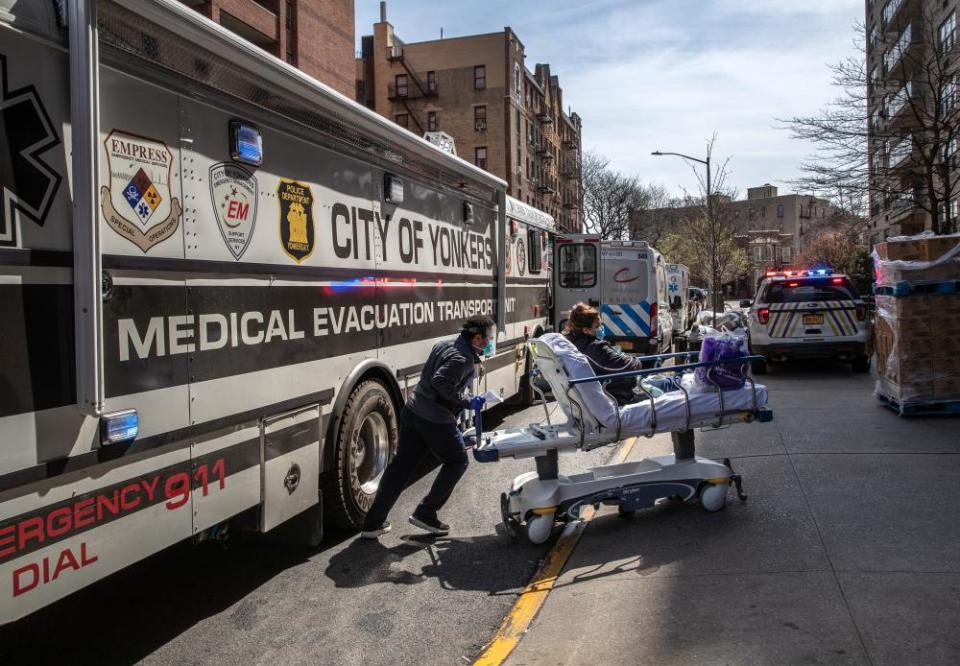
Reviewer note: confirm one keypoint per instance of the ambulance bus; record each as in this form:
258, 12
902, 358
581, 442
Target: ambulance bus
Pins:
219, 279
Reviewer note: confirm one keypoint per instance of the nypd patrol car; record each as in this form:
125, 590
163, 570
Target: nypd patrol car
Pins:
808, 314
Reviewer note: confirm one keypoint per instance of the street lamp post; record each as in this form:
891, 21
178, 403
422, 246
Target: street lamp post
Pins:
713, 255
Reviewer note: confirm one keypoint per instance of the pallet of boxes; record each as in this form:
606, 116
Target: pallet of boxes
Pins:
917, 328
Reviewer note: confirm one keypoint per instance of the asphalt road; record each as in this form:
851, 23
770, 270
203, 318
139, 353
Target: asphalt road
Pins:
405, 599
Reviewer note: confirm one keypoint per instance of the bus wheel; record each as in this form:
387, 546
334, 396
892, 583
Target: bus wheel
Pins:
366, 442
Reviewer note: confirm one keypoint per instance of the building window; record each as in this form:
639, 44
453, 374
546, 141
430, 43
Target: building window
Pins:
948, 95
892, 56
401, 83
519, 126
480, 156
516, 77
947, 31
479, 77
402, 119
890, 10
480, 118
519, 157
431, 81
432, 121
779, 210
289, 18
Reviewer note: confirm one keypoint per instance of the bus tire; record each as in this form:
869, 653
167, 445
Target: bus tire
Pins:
366, 441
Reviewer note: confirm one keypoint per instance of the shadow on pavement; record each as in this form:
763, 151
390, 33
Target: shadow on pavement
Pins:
456, 563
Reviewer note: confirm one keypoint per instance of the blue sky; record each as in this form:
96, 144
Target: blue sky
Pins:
665, 74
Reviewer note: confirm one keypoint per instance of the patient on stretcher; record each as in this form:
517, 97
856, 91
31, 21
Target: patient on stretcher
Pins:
670, 409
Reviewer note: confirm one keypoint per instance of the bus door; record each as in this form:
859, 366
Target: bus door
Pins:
576, 275
628, 296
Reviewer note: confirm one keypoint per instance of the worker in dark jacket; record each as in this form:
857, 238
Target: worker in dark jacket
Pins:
582, 328
428, 424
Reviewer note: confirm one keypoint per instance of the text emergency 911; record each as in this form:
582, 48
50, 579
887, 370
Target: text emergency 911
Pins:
26, 534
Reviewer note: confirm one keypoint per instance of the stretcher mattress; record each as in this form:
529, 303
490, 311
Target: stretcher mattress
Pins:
670, 408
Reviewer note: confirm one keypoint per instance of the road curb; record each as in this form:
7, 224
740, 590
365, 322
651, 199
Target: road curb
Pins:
517, 621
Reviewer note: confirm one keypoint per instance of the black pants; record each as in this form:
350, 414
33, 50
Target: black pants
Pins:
417, 438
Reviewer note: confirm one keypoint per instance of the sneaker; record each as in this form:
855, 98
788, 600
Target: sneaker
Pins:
374, 532
432, 525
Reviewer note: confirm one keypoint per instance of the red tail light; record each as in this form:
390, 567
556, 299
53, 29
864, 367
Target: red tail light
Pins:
793, 284
836, 280
861, 312
763, 314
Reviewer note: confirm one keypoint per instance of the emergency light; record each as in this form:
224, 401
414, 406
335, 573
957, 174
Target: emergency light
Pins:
392, 189
119, 427
246, 144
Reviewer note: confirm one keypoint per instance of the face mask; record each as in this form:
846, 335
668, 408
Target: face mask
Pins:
601, 333
488, 348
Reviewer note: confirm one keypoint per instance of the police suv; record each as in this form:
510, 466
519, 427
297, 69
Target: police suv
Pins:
808, 314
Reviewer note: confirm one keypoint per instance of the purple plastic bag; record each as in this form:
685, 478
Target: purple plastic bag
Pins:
727, 375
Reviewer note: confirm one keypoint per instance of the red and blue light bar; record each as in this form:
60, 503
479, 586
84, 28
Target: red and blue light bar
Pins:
810, 272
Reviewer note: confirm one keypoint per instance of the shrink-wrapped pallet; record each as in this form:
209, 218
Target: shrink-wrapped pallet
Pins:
917, 328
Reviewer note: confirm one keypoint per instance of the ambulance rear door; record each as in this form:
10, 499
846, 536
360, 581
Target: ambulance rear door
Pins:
628, 292
576, 275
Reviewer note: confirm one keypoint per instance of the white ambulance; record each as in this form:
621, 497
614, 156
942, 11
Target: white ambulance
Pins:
626, 280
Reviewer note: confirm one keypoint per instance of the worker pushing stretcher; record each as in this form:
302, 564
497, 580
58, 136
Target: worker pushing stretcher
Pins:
673, 399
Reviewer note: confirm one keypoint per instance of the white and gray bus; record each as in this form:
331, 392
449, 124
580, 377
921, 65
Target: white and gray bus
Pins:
218, 280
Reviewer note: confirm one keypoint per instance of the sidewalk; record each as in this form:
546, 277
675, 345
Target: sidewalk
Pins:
847, 551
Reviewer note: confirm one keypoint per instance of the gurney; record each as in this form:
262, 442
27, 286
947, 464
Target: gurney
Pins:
671, 402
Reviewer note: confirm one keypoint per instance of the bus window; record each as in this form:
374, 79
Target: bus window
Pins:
578, 265
535, 252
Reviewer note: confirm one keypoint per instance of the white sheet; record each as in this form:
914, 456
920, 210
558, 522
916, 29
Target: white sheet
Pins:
671, 410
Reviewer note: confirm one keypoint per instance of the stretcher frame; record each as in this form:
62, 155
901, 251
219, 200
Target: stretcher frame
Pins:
538, 500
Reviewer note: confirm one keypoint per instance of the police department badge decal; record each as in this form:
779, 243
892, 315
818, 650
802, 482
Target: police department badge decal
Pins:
233, 191
139, 203
296, 219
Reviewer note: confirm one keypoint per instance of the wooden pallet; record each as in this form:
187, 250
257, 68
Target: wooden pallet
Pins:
927, 408
904, 288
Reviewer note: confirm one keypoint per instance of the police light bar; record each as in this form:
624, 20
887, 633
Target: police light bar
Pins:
392, 189
119, 427
812, 272
246, 144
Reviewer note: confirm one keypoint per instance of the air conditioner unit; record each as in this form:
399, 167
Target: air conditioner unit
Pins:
480, 126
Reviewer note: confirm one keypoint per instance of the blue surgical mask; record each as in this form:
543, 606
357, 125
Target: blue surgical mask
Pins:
488, 349
601, 333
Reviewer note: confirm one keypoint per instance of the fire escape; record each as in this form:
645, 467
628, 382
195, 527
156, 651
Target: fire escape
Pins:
415, 88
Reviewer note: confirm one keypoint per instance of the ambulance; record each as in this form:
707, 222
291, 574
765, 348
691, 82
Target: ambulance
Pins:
625, 280
219, 279
681, 310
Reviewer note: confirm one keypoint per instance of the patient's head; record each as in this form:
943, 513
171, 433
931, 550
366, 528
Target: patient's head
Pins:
583, 319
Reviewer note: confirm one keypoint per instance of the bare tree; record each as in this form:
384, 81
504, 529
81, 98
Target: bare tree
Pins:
648, 221
903, 155
608, 198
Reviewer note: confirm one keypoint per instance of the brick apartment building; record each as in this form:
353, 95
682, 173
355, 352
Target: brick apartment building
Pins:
912, 106
477, 89
316, 36
774, 229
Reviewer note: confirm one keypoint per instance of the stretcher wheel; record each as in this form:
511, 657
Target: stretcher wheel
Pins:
714, 496
539, 528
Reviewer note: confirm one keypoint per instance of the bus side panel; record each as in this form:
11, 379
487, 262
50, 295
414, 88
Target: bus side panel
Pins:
78, 528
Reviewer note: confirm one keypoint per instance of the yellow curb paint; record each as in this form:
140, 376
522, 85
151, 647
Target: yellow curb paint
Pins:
531, 599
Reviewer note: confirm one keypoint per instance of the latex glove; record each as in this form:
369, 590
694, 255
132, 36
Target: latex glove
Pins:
477, 402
